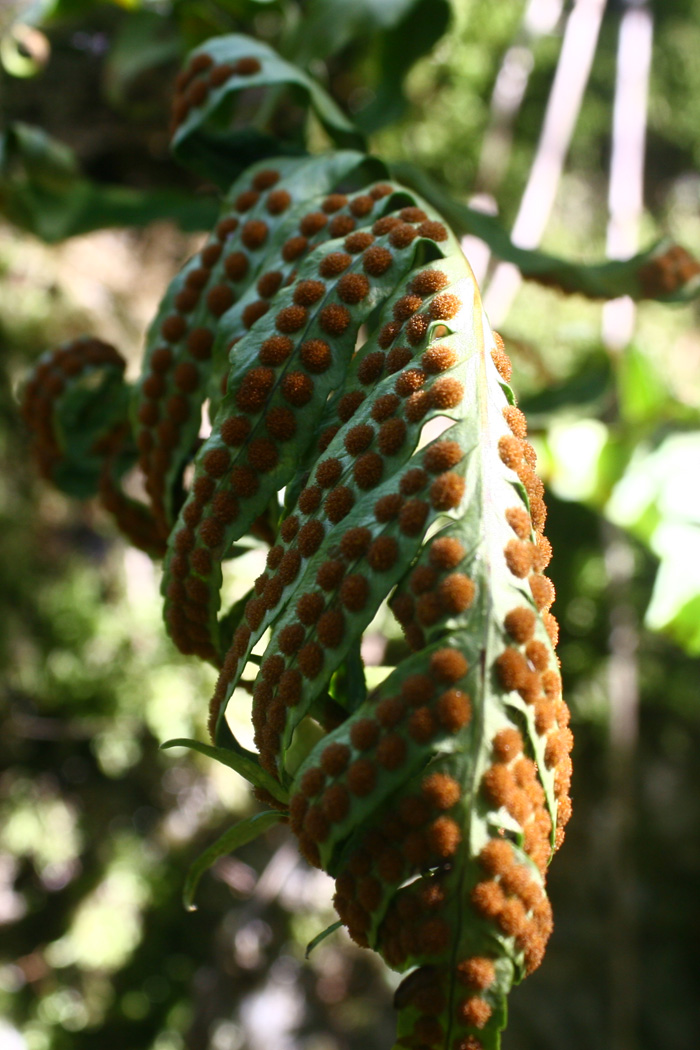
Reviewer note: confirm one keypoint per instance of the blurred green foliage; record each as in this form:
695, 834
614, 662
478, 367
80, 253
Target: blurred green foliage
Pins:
98, 825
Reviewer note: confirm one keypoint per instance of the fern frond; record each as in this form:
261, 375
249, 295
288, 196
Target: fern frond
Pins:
336, 331
437, 803
75, 404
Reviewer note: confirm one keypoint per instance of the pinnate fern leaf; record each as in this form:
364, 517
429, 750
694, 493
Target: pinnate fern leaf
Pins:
334, 327
436, 801
217, 296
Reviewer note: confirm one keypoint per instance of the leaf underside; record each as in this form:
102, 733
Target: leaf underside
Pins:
335, 330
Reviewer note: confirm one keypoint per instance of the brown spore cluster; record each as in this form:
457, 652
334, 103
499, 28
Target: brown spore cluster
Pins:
341, 589
50, 381
438, 589
392, 357
173, 386
392, 768
418, 926
342, 579
510, 895
378, 744
528, 665
415, 392
668, 272
331, 498
202, 78
424, 990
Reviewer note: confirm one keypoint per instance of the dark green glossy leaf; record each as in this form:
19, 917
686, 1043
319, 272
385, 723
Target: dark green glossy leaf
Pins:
424, 23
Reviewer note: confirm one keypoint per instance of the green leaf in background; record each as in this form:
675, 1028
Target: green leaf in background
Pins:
643, 394
588, 391
398, 49
686, 622
321, 937
329, 25
658, 500
42, 192
144, 41
648, 492
401, 31
239, 835
30, 152
73, 8
50, 12
224, 118
665, 271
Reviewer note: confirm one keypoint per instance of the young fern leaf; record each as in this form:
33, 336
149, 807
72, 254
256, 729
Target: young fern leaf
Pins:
75, 405
75, 402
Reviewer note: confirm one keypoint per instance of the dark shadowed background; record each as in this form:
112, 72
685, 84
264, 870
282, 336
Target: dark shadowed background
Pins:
97, 826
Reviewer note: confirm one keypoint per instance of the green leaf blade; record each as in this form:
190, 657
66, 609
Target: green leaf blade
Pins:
239, 835
314, 943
